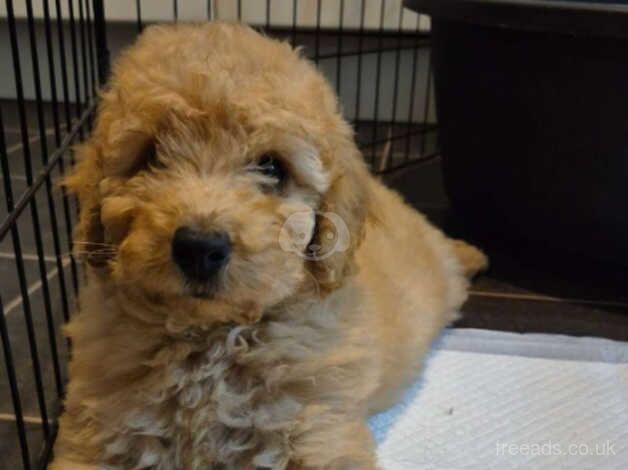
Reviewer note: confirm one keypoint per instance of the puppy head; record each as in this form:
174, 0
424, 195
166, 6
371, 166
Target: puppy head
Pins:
220, 176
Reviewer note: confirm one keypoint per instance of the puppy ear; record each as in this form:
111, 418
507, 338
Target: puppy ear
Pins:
341, 218
83, 181
104, 218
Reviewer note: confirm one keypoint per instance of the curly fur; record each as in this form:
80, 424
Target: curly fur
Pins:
281, 361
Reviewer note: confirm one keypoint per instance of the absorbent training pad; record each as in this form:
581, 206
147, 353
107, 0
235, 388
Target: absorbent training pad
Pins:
496, 400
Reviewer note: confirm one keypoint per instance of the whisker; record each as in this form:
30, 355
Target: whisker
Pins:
94, 252
94, 244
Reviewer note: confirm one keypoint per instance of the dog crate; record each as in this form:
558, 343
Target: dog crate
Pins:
55, 55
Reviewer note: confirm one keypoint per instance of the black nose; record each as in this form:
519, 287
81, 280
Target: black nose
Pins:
199, 254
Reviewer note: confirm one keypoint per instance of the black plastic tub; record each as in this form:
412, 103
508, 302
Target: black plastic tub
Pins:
532, 102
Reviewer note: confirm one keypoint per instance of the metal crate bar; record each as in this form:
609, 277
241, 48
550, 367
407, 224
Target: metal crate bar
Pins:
83, 57
68, 127
358, 88
102, 50
57, 136
378, 72
415, 57
75, 63
398, 50
90, 48
28, 315
43, 139
428, 95
341, 17
138, 11
4, 333
317, 46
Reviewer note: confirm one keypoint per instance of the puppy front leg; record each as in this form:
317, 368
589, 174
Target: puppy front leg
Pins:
342, 443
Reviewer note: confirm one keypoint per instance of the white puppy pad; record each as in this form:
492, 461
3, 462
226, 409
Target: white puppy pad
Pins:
502, 410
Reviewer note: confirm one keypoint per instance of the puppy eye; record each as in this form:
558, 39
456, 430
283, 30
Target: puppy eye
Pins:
144, 158
271, 166
150, 156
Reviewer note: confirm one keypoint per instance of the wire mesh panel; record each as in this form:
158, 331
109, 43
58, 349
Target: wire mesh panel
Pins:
55, 54
47, 89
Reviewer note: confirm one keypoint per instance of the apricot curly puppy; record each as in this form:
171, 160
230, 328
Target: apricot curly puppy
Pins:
254, 293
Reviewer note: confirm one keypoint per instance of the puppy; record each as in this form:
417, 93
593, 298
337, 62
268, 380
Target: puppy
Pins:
254, 293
